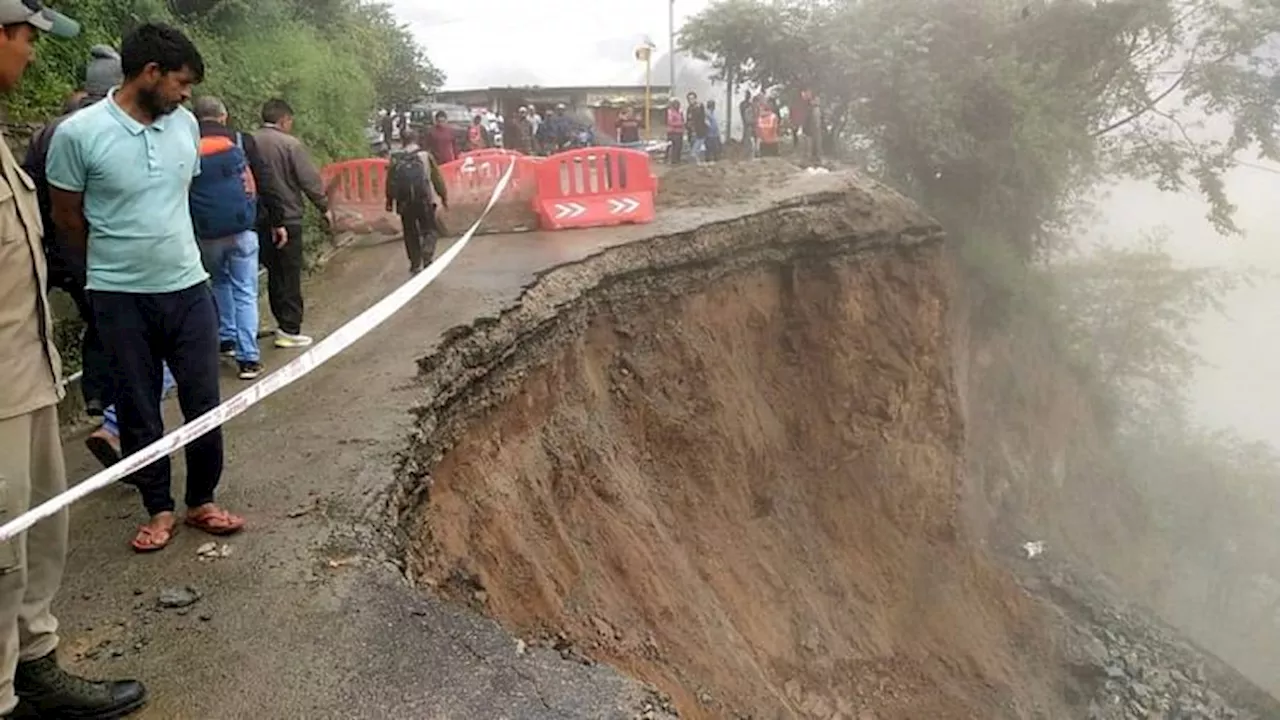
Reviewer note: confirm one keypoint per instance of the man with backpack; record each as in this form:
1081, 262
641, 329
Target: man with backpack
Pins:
416, 191
227, 198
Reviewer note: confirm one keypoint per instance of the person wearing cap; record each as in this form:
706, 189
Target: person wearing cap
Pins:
120, 172
31, 463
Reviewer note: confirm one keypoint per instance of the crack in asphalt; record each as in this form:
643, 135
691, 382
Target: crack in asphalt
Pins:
524, 675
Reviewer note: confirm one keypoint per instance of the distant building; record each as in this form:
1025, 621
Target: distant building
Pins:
603, 102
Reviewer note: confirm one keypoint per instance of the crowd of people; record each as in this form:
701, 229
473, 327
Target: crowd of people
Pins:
155, 219
765, 122
245, 205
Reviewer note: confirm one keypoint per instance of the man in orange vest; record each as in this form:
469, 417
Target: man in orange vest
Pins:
767, 130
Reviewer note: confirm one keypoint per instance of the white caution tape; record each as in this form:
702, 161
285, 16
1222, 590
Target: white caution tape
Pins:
339, 340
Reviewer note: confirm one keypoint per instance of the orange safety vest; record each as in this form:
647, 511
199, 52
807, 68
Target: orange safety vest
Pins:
767, 128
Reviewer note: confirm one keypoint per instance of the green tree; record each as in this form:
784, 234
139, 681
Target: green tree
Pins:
403, 75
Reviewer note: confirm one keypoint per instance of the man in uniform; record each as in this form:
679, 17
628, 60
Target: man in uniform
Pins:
31, 465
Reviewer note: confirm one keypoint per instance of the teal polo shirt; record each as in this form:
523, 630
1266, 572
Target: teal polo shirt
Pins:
135, 180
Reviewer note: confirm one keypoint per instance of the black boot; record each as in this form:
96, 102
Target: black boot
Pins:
52, 692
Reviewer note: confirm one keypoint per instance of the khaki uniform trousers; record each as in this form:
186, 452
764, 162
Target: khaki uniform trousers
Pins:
31, 471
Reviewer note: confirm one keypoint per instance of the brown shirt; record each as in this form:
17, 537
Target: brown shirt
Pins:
30, 369
291, 176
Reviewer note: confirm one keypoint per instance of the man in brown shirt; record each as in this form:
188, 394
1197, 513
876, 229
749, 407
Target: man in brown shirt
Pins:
31, 464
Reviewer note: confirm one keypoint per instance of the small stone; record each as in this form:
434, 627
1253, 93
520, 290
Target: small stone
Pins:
206, 616
138, 591
521, 647
207, 549
481, 596
117, 652
179, 597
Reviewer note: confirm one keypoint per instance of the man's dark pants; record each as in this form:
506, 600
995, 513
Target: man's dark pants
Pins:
95, 382
140, 332
284, 276
675, 149
418, 221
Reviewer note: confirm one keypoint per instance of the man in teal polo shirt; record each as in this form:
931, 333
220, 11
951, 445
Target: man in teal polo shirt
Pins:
119, 173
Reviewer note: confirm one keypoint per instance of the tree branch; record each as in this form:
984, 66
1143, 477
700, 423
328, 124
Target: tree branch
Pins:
1146, 108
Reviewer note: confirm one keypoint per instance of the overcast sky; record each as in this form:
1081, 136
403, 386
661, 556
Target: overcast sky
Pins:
567, 42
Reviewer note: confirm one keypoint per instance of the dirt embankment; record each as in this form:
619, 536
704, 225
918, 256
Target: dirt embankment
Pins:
734, 472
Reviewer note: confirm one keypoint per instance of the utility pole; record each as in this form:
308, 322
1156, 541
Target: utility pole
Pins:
671, 30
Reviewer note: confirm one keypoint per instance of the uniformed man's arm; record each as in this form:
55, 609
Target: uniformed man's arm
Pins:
66, 174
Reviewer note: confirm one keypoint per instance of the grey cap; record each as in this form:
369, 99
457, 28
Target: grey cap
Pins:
35, 14
103, 70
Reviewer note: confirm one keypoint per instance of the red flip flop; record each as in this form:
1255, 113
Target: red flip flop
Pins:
151, 539
217, 522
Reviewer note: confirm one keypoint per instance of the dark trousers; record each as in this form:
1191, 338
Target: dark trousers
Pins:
141, 331
713, 148
284, 276
419, 226
95, 383
675, 149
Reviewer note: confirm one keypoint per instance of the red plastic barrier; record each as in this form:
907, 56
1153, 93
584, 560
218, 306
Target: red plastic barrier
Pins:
357, 191
471, 178
356, 182
595, 187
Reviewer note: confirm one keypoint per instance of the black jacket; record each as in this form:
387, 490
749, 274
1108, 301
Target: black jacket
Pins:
34, 164
270, 208
696, 120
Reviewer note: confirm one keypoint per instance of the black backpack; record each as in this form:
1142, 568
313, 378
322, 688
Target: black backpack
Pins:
409, 178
